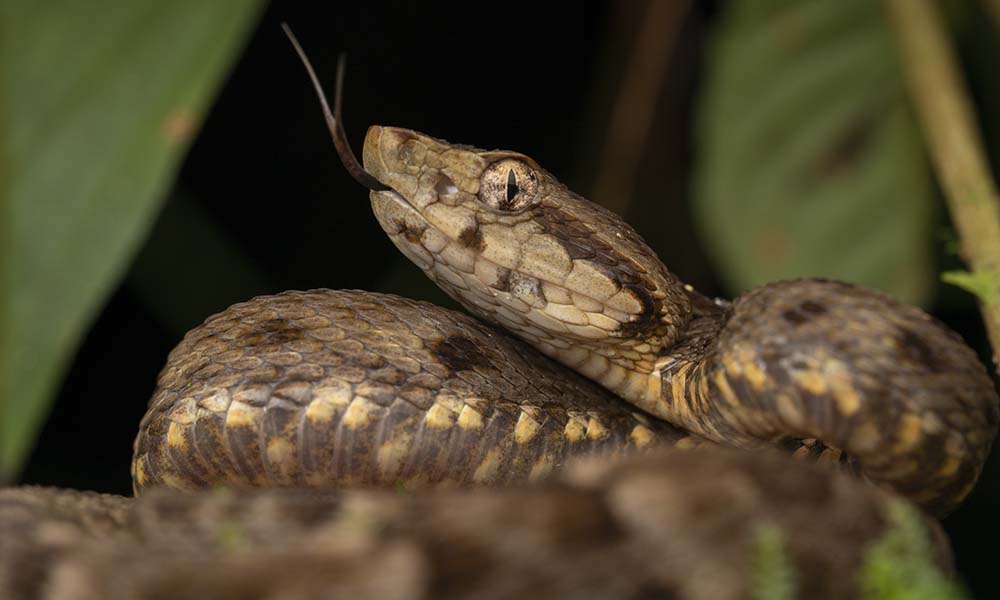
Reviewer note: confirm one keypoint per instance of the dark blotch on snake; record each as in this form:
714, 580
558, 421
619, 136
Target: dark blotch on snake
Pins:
577, 250
656, 589
503, 280
525, 286
806, 310
916, 349
273, 331
472, 237
794, 317
412, 234
459, 353
811, 307
648, 319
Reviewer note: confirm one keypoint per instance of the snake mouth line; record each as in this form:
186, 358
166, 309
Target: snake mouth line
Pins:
406, 205
334, 119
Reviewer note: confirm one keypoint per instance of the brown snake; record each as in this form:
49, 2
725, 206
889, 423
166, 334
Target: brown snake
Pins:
328, 388
343, 388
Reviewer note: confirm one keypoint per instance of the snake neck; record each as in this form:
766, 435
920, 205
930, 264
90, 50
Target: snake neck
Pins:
904, 399
679, 387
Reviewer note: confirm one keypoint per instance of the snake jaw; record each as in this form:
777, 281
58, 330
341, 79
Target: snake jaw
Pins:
404, 225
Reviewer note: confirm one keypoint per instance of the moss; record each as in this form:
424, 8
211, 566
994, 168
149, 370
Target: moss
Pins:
230, 535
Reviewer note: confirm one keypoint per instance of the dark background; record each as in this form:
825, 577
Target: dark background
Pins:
262, 204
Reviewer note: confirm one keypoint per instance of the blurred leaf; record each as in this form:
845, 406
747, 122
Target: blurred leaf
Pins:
100, 101
810, 163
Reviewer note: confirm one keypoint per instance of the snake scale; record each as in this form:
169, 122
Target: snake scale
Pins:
327, 388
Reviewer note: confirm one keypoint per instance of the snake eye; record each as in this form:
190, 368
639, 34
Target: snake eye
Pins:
509, 185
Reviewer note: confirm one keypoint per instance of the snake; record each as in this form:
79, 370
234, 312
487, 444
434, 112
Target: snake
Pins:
340, 388
540, 446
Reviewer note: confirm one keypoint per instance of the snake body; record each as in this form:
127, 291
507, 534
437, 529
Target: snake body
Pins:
329, 388
902, 396
312, 388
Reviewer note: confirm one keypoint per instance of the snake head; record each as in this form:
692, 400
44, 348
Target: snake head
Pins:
512, 244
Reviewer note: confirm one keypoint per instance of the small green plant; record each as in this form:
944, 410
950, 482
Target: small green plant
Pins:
981, 285
900, 566
772, 573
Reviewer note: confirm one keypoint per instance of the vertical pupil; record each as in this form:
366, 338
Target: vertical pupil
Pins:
511, 185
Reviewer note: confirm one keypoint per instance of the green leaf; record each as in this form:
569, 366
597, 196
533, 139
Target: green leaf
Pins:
100, 101
980, 285
809, 161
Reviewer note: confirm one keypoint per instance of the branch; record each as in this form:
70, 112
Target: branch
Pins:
947, 118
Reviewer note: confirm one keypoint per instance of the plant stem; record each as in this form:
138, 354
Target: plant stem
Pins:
947, 118
632, 112
993, 8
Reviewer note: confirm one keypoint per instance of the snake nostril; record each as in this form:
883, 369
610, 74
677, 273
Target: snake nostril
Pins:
411, 153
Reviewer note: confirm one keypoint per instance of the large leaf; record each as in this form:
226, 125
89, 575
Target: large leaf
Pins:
810, 163
99, 102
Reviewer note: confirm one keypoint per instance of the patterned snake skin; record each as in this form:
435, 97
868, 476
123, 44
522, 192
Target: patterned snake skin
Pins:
310, 388
330, 388
323, 387
902, 396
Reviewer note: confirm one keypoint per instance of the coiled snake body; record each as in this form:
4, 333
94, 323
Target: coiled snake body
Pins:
326, 388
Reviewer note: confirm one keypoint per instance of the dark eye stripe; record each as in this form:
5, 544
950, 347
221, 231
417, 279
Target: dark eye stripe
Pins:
511, 185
